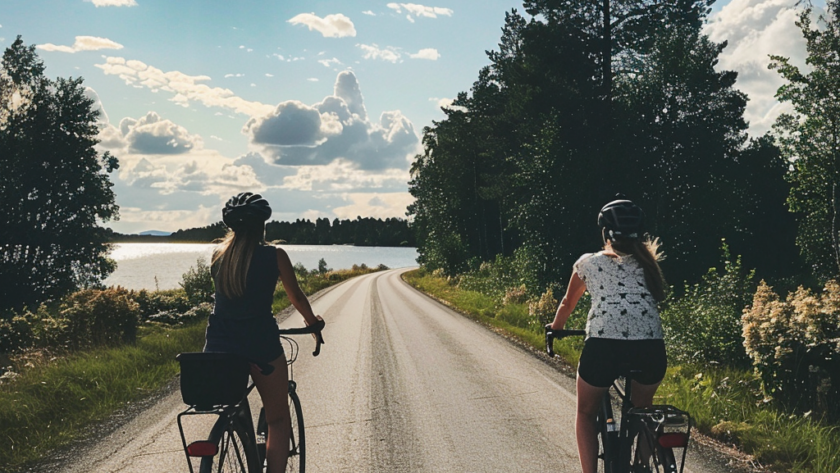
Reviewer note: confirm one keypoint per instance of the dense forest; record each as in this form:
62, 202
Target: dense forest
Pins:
586, 100
359, 232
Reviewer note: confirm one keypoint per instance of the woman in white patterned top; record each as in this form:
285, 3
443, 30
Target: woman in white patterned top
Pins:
623, 329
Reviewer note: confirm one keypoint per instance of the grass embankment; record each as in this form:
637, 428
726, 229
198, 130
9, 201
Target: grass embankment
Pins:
53, 398
725, 404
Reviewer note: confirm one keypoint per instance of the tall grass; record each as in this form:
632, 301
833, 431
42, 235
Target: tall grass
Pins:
49, 403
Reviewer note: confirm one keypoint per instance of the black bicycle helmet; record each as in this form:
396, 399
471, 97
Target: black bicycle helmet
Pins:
621, 219
244, 209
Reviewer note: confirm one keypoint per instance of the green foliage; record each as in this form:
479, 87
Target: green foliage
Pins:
794, 346
542, 311
322, 266
100, 317
45, 403
164, 305
704, 324
55, 188
810, 139
197, 282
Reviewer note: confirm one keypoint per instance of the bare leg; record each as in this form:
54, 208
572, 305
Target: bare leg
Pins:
274, 391
588, 402
643, 394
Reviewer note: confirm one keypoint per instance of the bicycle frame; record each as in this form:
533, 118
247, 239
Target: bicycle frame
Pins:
651, 424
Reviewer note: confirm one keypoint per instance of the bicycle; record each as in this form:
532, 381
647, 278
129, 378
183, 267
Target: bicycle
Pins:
217, 384
634, 439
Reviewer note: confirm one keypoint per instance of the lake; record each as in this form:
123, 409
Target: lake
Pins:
162, 265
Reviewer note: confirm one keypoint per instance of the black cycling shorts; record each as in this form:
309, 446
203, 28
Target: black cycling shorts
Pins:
604, 360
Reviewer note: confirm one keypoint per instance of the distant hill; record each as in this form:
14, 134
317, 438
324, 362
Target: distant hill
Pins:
155, 233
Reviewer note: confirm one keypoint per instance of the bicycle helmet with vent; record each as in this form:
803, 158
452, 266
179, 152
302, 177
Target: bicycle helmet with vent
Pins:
621, 219
245, 209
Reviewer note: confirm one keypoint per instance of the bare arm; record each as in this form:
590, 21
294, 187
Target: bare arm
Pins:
576, 289
290, 284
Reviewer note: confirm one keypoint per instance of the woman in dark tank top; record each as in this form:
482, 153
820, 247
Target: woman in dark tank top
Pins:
245, 271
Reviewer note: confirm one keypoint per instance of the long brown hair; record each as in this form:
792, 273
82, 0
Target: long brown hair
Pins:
648, 255
232, 258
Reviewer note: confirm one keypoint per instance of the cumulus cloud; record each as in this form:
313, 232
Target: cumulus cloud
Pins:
83, 43
185, 89
342, 175
376, 205
152, 134
372, 51
420, 10
756, 29
330, 62
113, 3
292, 123
331, 26
337, 127
427, 53
369, 13
102, 119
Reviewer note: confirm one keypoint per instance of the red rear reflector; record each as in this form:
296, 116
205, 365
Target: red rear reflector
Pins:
672, 440
202, 448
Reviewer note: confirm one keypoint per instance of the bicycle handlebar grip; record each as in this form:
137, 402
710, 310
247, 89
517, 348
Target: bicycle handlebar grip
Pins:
551, 334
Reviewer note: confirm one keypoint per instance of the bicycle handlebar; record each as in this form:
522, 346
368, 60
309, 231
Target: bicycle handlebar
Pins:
552, 334
314, 329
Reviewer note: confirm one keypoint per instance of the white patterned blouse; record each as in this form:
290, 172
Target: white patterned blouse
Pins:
622, 307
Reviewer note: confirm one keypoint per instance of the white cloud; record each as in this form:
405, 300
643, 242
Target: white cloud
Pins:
269, 75
375, 52
342, 175
369, 13
83, 43
312, 79
331, 26
756, 29
337, 127
113, 3
375, 205
420, 10
185, 89
330, 62
426, 53
227, 76
152, 134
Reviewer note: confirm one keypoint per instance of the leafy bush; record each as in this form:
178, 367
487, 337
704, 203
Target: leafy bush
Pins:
322, 266
704, 325
795, 346
516, 295
160, 305
15, 333
197, 282
543, 310
100, 317
177, 317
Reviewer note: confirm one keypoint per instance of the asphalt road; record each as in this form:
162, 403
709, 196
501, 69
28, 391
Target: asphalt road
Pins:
403, 384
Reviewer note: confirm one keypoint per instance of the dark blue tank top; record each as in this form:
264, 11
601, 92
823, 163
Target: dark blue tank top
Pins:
259, 288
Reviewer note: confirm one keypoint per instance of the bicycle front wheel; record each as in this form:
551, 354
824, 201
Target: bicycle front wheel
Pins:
297, 440
233, 454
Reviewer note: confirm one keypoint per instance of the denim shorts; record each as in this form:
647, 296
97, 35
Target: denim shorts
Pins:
604, 360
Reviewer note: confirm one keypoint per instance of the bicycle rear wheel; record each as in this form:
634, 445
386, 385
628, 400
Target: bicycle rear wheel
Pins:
607, 436
297, 440
649, 456
234, 455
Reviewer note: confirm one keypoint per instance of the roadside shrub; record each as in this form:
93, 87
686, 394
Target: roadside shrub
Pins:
542, 311
795, 346
153, 303
15, 333
197, 282
100, 317
704, 325
493, 279
322, 267
178, 317
516, 295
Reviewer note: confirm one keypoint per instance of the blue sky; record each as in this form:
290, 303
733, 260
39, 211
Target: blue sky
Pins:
318, 105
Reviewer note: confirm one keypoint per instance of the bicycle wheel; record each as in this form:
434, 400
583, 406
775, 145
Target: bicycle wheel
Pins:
649, 456
607, 436
297, 439
234, 455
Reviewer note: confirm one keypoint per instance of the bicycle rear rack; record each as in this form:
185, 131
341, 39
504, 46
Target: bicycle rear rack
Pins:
672, 426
